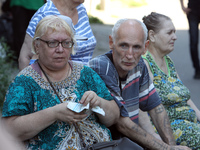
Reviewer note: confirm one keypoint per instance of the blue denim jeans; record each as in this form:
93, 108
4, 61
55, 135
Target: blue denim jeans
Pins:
194, 20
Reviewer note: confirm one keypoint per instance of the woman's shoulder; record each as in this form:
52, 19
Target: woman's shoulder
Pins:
169, 60
83, 69
147, 56
25, 71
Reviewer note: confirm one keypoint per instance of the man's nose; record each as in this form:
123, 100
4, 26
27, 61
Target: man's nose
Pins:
130, 53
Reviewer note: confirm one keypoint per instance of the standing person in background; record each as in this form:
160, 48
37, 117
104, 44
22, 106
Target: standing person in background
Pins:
77, 12
193, 15
22, 11
183, 114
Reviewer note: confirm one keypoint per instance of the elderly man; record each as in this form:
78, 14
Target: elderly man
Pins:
125, 74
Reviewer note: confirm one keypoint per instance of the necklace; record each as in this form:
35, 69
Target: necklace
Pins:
83, 144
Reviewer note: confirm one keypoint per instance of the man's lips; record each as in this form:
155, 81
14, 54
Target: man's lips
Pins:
128, 63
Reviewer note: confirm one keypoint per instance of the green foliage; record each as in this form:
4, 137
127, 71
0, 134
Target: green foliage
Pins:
133, 3
94, 20
6, 70
98, 7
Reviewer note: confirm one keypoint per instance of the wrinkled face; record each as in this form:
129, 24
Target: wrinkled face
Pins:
53, 58
165, 38
128, 47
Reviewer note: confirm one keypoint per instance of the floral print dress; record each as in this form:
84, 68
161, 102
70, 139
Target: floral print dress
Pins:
174, 96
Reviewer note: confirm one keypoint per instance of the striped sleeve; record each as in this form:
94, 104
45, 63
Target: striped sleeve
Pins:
148, 97
47, 9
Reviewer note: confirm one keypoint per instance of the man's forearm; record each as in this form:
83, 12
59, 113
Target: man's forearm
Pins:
162, 124
126, 126
145, 123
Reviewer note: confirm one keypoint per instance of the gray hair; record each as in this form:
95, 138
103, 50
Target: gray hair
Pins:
154, 21
121, 21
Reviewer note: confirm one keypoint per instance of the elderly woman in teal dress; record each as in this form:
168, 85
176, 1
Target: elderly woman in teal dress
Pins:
39, 115
184, 115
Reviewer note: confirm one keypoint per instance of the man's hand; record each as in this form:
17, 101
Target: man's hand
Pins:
126, 126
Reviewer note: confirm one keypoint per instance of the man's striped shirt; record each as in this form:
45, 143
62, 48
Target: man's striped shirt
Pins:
134, 92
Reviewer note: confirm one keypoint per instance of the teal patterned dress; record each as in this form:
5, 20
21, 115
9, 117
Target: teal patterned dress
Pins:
29, 93
174, 96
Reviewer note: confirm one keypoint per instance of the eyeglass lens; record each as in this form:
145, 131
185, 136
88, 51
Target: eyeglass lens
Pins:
53, 44
65, 44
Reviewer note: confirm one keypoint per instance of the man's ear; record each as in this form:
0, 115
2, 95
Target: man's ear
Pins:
146, 47
111, 44
151, 35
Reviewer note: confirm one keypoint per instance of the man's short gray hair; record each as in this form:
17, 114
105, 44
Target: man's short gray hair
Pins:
121, 21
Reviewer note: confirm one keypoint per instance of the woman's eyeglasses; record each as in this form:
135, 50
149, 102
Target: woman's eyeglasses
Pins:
53, 44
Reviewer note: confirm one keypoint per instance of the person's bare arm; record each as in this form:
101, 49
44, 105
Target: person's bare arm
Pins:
27, 126
162, 124
145, 123
193, 106
8, 141
182, 5
185, 9
111, 112
25, 53
126, 126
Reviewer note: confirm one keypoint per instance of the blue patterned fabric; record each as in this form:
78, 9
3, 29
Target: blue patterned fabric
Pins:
84, 49
174, 96
29, 93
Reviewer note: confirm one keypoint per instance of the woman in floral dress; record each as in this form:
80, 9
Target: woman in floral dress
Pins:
184, 115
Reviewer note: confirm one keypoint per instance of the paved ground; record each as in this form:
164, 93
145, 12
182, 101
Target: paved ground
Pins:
180, 55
